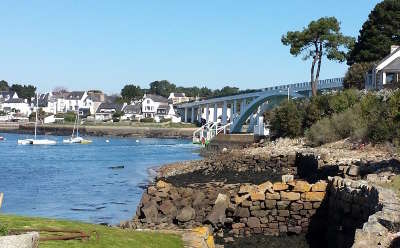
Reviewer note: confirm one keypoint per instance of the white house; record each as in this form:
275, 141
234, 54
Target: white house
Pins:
71, 101
386, 72
154, 105
132, 111
17, 105
176, 98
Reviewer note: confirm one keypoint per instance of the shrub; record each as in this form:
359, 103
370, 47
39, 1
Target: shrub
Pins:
147, 120
3, 230
343, 100
287, 120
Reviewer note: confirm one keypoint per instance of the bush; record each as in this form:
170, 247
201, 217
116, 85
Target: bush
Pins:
287, 120
69, 116
147, 120
3, 230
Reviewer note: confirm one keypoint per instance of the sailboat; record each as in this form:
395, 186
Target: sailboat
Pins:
76, 139
36, 141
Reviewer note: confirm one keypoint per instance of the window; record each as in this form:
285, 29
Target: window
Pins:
148, 101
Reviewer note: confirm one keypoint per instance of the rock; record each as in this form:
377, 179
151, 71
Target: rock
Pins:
246, 188
280, 186
313, 196
283, 213
168, 208
273, 196
319, 186
257, 196
242, 212
199, 200
302, 186
26, 240
240, 199
186, 214
151, 213
217, 214
283, 204
296, 206
161, 184
267, 186
353, 170
287, 178
253, 222
270, 204
238, 225
290, 196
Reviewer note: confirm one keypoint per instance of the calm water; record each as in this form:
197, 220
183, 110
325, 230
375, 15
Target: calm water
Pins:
73, 181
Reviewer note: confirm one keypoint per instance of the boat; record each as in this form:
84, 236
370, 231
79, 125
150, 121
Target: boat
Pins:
1, 138
36, 141
75, 138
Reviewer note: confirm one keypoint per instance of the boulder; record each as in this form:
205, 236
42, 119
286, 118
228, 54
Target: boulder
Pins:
27, 240
217, 214
169, 209
186, 214
151, 213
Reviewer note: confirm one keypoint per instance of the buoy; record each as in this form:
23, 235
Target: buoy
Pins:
107, 141
137, 141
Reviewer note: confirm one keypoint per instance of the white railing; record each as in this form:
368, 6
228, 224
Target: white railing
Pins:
208, 131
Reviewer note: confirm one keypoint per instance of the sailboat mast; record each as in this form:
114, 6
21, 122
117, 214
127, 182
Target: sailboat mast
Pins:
37, 108
77, 123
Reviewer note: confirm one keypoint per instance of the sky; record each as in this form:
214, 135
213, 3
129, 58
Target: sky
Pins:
94, 44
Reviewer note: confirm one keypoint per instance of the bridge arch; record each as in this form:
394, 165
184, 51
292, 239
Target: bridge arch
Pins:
237, 124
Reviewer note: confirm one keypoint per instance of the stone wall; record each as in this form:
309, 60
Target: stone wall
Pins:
269, 208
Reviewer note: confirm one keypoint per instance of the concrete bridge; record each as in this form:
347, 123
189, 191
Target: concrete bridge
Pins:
235, 110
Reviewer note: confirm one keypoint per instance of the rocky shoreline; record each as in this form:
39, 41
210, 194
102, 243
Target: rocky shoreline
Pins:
280, 189
119, 131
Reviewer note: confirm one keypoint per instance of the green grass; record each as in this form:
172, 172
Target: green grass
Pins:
109, 237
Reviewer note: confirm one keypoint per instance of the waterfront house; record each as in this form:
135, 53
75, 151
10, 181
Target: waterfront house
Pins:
154, 105
385, 73
106, 111
94, 100
17, 105
70, 101
175, 98
133, 111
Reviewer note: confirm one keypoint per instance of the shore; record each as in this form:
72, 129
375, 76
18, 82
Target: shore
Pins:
103, 130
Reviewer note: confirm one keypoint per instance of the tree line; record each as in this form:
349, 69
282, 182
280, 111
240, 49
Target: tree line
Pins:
131, 92
23, 91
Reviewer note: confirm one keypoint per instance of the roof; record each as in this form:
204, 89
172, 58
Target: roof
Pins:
179, 94
105, 105
15, 100
156, 98
4, 94
43, 100
76, 95
388, 56
394, 65
133, 108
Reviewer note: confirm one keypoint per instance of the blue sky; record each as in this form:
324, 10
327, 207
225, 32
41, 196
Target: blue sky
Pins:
107, 44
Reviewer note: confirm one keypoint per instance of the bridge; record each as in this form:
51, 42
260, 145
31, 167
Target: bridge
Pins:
235, 110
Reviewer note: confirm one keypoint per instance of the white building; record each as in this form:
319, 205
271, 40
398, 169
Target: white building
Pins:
386, 72
70, 101
154, 105
17, 105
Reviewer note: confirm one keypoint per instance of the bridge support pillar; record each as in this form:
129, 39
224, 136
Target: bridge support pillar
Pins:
207, 113
215, 112
186, 115
242, 106
192, 117
231, 110
225, 113
234, 107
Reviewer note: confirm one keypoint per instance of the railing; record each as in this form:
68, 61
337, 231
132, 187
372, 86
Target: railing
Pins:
208, 131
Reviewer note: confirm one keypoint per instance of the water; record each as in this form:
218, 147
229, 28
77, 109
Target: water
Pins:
73, 181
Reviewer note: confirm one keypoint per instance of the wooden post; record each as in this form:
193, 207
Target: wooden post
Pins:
1, 198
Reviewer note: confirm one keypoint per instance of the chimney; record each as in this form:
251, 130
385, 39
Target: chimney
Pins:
393, 48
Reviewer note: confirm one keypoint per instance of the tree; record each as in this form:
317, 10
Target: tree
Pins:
162, 88
131, 92
378, 33
226, 91
24, 91
60, 89
320, 38
4, 86
355, 75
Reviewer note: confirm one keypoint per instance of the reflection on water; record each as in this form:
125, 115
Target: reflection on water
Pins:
100, 182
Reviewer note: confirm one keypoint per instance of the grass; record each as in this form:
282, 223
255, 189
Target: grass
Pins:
108, 236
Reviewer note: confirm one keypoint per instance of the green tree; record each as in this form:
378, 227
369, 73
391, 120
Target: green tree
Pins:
320, 38
355, 75
287, 120
4, 86
131, 92
378, 33
162, 88
24, 91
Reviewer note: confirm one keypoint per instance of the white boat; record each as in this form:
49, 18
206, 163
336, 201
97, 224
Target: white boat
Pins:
36, 141
75, 138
